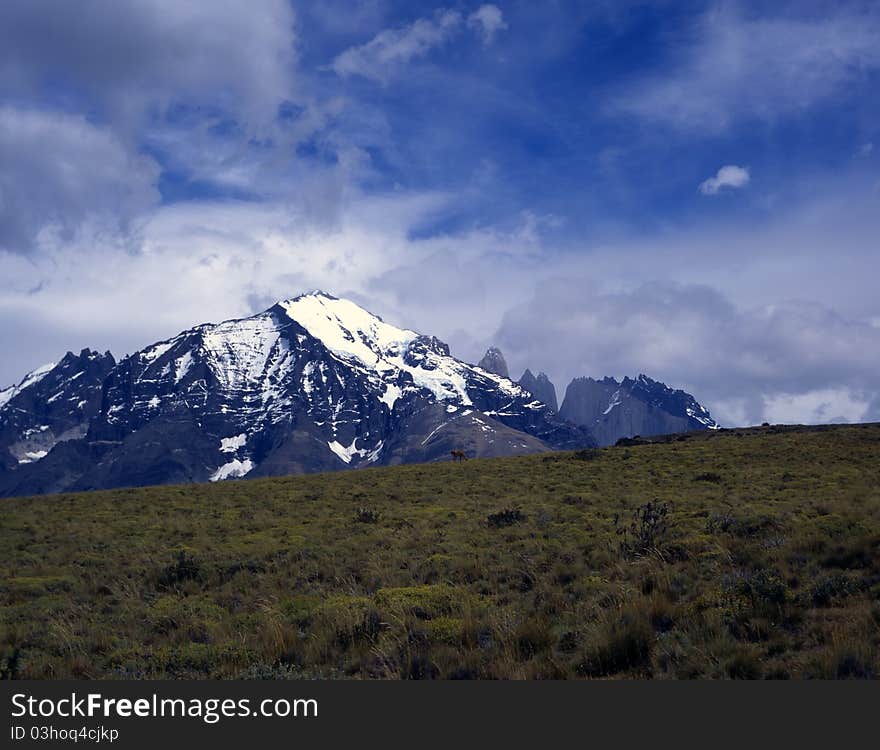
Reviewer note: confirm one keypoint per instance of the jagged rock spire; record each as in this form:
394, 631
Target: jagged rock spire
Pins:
540, 387
493, 361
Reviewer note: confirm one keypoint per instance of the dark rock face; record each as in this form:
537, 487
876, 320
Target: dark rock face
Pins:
540, 387
612, 410
493, 361
51, 405
312, 384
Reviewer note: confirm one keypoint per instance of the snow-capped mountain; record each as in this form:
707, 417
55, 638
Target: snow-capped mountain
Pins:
641, 406
313, 383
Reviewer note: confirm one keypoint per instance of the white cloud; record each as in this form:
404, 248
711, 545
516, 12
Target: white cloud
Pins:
866, 149
389, 52
488, 20
816, 407
732, 67
730, 176
392, 49
60, 170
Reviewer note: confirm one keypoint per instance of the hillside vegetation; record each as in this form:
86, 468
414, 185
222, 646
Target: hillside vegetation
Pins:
749, 553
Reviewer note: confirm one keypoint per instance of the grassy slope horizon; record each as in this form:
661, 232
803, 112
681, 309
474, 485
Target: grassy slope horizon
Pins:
748, 553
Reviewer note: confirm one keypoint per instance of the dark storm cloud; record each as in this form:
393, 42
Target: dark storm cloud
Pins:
140, 70
125, 56
59, 171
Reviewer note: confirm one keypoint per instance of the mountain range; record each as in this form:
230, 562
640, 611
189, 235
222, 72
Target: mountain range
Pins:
612, 409
314, 383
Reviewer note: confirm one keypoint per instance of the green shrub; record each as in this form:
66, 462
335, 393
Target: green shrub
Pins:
367, 515
829, 588
184, 568
532, 637
506, 517
646, 531
624, 644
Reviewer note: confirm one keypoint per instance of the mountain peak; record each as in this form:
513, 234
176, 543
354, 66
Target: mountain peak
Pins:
310, 293
346, 328
541, 387
493, 361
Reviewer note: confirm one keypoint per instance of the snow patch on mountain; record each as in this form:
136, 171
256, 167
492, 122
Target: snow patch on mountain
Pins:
347, 452
32, 378
232, 470
182, 366
615, 401
157, 350
32, 456
443, 378
391, 394
703, 418
505, 384
232, 444
241, 352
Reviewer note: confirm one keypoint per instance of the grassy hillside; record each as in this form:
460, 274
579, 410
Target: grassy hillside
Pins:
750, 553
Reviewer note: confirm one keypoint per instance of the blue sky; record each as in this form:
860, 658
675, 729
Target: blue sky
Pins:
688, 189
